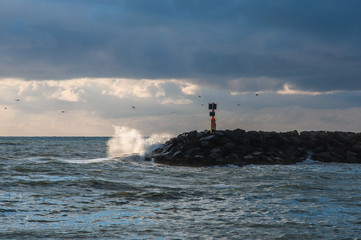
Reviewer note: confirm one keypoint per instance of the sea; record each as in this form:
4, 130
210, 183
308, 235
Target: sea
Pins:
101, 188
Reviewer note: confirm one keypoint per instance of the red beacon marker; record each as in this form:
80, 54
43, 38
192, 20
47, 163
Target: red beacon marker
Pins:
212, 106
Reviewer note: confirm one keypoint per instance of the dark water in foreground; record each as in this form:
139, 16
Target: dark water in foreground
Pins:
67, 188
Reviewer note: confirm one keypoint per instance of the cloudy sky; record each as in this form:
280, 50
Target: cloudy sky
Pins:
77, 67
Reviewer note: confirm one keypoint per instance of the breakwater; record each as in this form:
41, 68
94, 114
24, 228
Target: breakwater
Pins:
240, 147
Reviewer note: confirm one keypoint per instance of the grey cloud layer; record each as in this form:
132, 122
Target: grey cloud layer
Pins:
312, 44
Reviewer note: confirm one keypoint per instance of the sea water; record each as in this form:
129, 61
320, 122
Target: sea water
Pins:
101, 188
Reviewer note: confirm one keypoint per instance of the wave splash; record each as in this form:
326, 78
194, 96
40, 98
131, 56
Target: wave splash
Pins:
128, 141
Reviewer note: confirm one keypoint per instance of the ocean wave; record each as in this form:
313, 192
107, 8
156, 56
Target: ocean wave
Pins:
127, 141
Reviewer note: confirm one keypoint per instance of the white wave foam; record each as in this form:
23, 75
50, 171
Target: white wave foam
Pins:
127, 141
95, 160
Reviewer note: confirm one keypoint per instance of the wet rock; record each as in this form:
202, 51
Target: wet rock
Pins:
229, 146
207, 145
192, 143
178, 154
249, 157
192, 135
219, 133
352, 157
211, 138
240, 147
232, 159
193, 151
356, 147
323, 157
213, 157
198, 160
245, 149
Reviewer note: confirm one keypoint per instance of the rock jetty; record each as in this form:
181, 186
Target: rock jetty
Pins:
240, 147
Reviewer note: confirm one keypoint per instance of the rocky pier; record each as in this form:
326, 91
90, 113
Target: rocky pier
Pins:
240, 147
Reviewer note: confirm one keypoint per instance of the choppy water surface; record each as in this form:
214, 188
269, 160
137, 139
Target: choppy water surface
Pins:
68, 188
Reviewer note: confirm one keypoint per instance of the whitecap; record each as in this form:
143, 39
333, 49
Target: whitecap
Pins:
95, 160
128, 141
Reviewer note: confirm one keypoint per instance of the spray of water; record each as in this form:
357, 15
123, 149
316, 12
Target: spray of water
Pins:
127, 141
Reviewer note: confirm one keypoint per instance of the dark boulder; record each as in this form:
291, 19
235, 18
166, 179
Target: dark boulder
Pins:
240, 147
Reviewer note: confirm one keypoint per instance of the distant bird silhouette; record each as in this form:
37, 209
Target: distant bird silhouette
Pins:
133, 107
18, 99
199, 96
6, 108
62, 111
257, 94
238, 104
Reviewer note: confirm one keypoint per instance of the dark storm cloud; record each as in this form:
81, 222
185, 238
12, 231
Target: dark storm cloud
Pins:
311, 44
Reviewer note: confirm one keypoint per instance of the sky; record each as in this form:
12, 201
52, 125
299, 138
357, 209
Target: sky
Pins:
82, 67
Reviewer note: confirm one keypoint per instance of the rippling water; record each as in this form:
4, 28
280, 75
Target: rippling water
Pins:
68, 188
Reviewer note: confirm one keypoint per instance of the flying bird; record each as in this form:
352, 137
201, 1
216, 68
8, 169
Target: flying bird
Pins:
18, 99
257, 94
238, 104
62, 111
199, 96
133, 107
6, 108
